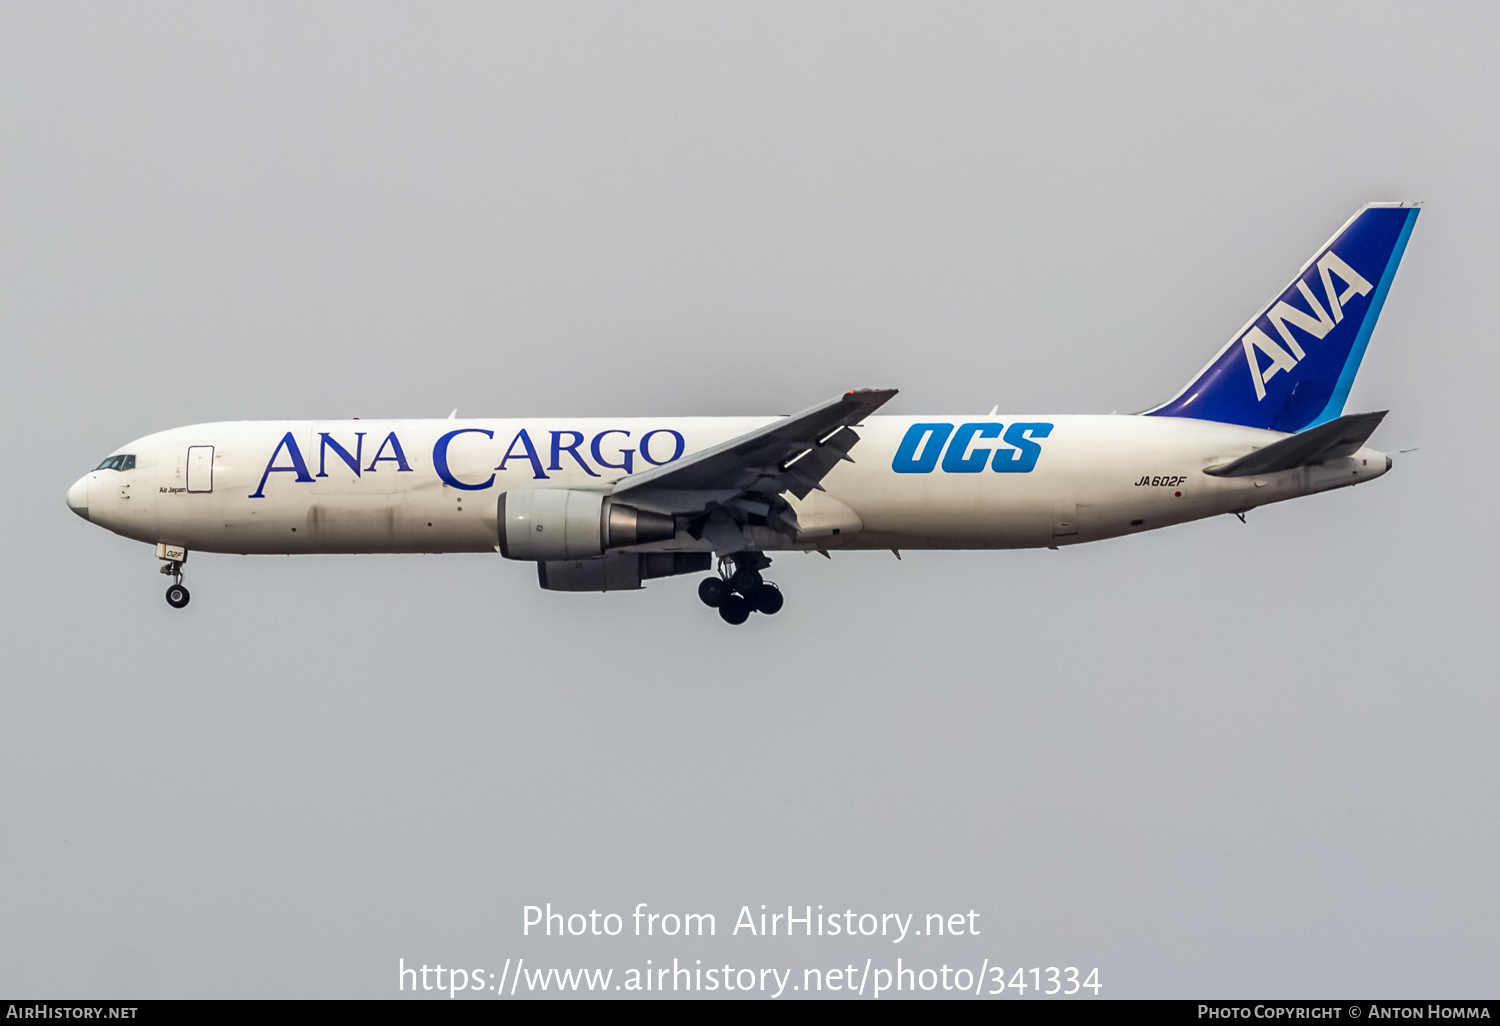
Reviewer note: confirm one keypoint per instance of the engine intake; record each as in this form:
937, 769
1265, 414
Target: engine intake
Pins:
543, 524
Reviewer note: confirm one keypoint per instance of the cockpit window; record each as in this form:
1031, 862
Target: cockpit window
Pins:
117, 463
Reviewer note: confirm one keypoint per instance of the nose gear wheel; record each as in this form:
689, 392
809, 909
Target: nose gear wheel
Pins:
177, 595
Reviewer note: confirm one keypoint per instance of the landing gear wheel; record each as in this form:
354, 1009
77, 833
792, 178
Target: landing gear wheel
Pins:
734, 609
177, 596
745, 581
713, 591
767, 598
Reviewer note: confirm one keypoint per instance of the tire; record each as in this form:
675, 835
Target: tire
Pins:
734, 610
767, 599
713, 591
745, 581
177, 596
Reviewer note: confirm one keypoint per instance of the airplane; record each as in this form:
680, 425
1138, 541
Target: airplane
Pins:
605, 504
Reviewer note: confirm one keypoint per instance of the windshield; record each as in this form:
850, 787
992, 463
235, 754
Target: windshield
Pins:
117, 463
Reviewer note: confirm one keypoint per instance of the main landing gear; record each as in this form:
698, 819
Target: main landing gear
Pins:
739, 590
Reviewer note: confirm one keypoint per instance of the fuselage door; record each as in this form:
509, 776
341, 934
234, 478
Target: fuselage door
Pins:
200, 468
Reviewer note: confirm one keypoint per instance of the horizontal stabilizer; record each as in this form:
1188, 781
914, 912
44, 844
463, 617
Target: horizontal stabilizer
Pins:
1331, 441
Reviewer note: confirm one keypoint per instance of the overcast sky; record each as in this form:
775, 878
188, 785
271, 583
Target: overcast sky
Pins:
1214, 760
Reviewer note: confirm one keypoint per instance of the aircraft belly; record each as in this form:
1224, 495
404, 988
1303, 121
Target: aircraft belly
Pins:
923, 512
401, 523
332, 523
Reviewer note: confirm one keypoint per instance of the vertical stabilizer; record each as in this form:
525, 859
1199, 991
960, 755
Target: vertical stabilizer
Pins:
1292, 365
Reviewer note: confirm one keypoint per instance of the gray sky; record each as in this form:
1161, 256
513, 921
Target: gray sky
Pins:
1215, 760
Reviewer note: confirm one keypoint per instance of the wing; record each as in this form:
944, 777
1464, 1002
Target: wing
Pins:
788, 455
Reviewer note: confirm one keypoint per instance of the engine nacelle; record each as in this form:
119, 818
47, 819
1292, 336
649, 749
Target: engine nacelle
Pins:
544, 524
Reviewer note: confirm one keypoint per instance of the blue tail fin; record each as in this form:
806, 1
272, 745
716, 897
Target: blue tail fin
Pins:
1291, 367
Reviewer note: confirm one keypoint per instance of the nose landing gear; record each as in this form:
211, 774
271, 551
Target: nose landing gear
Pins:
174, 556
177, 596
740, 590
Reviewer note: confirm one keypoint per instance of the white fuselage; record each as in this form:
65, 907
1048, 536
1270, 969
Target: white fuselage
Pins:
433, 485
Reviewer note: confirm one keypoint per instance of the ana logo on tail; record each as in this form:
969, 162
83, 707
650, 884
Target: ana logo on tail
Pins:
1318, 323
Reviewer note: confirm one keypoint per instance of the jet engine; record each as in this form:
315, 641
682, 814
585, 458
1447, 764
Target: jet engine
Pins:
545, 524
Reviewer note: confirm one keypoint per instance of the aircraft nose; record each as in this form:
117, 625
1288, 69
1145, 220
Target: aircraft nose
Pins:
78, 497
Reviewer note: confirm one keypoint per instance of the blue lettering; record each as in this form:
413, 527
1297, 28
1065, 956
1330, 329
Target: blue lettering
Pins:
1022, 458
399, 459
298, 466
958, 459
908, 458
538, 474
340, 452
440, 460
571, 449
646, 446
627, 454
